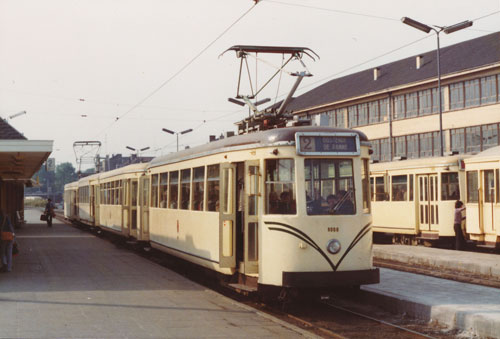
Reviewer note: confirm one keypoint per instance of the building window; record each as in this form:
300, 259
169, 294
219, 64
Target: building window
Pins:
436, 142
488, 89
426, 145
435, 100
412, 145
399, 107
385, 150
411, 105
473, 139
384, 108
458, 140
457, 95
489, 136
339, 117
362, 114
400, 146
352, 116
374, 112
376, 149
472, 93
425, 102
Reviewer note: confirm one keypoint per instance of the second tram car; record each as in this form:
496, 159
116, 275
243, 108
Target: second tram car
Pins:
286, 207
413, 200
482, 199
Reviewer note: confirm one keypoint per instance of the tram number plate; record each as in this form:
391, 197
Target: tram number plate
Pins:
312, 144
333, 229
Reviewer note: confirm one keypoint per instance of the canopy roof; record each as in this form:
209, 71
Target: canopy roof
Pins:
20, 159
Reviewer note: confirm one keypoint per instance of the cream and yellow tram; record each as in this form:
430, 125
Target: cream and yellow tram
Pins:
413, 200
86, 199
283, 207
118, 203
483, 198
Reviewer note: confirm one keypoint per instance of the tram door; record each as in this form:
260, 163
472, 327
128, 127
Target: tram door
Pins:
144, 226
227, 216
251, 220
126, 207
92, 203
134, 191
428, 202
97, 202
487, 201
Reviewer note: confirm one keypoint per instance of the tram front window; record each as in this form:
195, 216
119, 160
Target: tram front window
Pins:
329, 186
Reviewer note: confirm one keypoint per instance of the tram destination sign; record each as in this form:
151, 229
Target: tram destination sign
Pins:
311, 143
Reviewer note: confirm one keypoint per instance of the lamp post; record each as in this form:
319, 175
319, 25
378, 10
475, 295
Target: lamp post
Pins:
137, 150
447, 29
177, 133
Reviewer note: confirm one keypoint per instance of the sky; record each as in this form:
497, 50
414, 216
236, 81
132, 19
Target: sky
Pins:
118, 71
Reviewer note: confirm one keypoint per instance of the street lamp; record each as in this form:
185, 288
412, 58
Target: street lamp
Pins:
137, 150
177, 133
447, 29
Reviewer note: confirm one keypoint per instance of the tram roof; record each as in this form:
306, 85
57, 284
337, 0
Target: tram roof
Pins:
133, 168
491, 153
418, 163
272, 137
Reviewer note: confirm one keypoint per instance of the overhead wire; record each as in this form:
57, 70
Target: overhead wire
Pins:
181, 69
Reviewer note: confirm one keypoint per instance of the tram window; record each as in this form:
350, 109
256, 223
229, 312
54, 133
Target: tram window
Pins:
489, 186
399, 187
380, 194
154, 190
365, 186
450, 189
185, 188
329, 186
163, 190
198, 188
174, 189
472, 187
134, 193
213, 188
372, 188
280, 186
411, 187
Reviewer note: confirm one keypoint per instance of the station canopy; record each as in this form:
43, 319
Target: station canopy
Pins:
20, 158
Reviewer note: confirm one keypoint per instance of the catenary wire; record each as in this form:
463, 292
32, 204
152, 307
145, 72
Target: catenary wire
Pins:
180, 70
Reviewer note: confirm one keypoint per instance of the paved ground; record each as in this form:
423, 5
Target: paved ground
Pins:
70, 284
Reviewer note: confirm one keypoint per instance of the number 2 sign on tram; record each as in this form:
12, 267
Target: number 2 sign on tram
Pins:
314, 143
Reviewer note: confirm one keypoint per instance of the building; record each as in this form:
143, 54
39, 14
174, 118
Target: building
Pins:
117, 160
396, 104
20, 159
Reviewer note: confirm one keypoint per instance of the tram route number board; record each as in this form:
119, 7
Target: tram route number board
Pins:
345, 144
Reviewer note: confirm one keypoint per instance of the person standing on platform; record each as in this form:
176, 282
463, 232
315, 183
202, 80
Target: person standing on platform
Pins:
7, 232
49, 212
459, 235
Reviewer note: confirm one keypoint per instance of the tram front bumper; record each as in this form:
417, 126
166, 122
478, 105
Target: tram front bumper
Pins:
331, 279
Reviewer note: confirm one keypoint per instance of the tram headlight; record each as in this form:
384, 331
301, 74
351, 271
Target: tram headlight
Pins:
333, 246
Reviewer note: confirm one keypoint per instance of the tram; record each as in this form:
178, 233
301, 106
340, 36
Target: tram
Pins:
483, 198
287, 207
413, 200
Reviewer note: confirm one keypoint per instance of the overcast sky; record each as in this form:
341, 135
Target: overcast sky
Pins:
75, 66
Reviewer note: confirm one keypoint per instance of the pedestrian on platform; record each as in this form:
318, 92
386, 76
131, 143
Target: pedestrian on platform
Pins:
7, 242
459, 234
49, 212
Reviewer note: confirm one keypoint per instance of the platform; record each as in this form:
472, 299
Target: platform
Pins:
467, 307
67, 283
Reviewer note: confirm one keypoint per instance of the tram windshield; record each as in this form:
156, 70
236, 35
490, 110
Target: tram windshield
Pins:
329, 186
